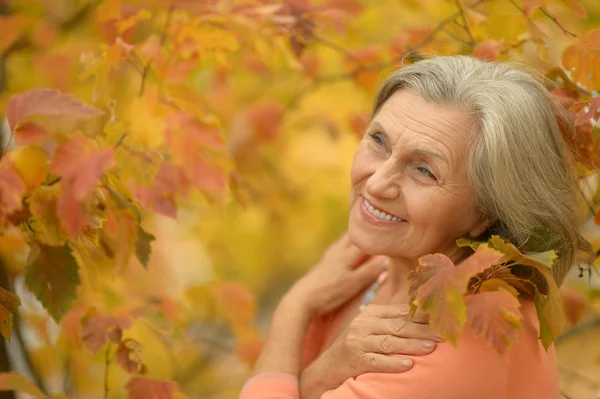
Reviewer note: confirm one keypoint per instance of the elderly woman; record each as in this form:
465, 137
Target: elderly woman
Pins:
456, 148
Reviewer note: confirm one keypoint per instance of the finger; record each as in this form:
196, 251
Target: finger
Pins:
396, 311
388, 344
404, 329
377, 363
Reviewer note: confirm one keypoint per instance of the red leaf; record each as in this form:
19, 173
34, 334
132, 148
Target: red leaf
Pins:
145, 388
494, 315
265, 119
12, 189
45, 102
488, 50
96, 329
126, 356
29, 132
438, 287
593, 111
170, 182
80, 165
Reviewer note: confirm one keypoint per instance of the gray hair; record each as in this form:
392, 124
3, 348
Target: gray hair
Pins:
519, 164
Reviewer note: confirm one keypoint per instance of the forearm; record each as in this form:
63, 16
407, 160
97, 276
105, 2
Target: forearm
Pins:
283, 350
315, 380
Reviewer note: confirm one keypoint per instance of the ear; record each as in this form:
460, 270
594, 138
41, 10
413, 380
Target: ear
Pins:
481, 226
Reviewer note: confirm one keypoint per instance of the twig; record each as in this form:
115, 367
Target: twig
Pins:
163, 37
106, 366
555, 20
466, 23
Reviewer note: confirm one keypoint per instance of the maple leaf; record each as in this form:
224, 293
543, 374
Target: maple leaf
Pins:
53, 277
582, 59
12, 190
236, 301
49, 102
142, 246
593, 111
488, 50
265, 119
97, 329
29, 132
9, 304
494, 315
17, 383
80, 165
126, 356
30, 163
170, 182
146, 388
438, 287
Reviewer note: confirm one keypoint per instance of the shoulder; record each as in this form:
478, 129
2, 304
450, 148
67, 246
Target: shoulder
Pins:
471, 370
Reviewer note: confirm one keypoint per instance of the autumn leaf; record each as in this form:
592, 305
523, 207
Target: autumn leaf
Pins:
146, 388
80, 164
96, 329
53, 277
142, 246
494, 315
488, 50
17, 383
9, 303
593, 112
29, 133
127, 357
531, 5
265, 119
31, 164
48, 102
12, 190
440, 287
236, 301
574, 305
582, 59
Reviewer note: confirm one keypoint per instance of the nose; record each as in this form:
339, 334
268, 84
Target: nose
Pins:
384, 183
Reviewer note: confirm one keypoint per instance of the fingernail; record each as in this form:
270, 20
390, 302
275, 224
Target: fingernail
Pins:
406, 362
427, 345
439, 338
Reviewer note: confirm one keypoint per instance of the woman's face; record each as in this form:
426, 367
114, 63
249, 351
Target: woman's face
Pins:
412, 165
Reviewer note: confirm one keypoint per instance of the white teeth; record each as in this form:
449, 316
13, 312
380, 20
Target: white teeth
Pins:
379, 214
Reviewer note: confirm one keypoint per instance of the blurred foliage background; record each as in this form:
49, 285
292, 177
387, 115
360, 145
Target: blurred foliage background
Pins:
282, 91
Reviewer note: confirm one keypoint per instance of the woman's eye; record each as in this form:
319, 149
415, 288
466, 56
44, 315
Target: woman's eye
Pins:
424, 171
377, 137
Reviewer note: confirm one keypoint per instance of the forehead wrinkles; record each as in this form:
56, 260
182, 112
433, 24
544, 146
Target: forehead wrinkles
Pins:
446, 128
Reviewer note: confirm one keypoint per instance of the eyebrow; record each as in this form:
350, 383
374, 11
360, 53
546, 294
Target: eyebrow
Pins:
416, 151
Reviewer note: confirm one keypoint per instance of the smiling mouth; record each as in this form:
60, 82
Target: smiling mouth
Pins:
380, 214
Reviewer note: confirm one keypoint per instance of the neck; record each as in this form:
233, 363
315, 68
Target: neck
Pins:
396, 285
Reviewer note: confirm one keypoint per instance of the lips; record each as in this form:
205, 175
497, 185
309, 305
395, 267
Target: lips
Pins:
379, 213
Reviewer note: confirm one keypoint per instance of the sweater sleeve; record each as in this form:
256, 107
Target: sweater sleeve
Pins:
272, 385
472, 370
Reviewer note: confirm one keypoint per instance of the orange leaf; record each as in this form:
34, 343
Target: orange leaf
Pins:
488, 49
237, 302
45, 102
438, 287
12, 189
494, 315
583, 60
80, 165
265, 119
574, 305
531, 5
357, 63
9, 303
12, 27
145, 388
170, 182
96, 328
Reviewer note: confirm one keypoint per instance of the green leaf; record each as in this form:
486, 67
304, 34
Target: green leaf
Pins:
53, 277
464, 242
9, 303
541, 240
142, 246
545, 258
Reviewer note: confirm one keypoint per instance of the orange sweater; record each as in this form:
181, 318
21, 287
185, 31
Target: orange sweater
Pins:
472, 370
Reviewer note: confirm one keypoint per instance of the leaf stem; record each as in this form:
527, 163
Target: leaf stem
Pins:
106, 368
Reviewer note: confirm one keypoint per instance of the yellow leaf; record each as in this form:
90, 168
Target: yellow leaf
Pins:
109, 10
18, 383
31, 164
583, 60
127, 23
146, 120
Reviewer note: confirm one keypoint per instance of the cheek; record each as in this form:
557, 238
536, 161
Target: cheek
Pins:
361, 166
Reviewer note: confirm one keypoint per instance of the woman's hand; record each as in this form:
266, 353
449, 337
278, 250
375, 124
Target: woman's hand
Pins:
379, 330
343, 272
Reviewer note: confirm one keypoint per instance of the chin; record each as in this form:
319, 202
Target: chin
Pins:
364, 241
